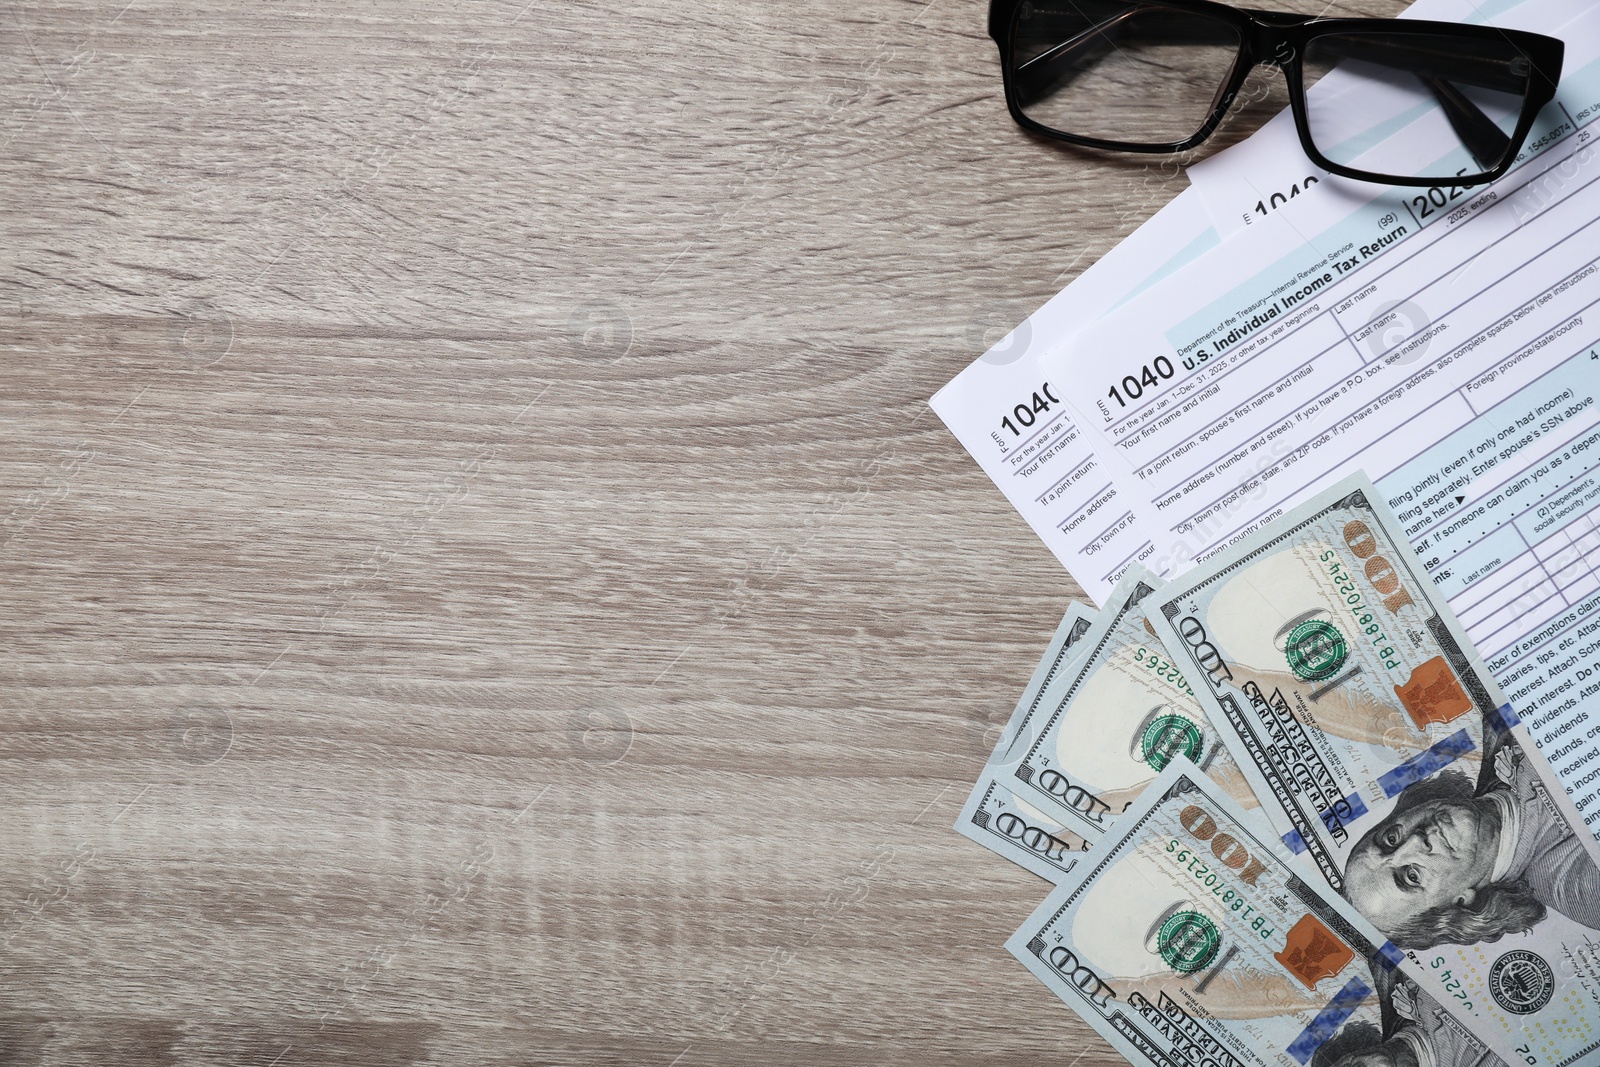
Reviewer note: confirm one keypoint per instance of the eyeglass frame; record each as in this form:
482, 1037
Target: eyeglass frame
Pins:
1278, 39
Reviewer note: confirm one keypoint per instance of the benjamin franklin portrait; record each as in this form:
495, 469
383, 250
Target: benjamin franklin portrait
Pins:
1464, 864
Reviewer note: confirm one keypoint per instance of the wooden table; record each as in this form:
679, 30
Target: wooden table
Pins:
480, 582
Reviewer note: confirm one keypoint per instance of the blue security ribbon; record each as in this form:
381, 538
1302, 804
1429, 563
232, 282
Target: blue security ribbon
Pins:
1329, 1019
1427, 762
1354, 805
1355, 808
1505, 717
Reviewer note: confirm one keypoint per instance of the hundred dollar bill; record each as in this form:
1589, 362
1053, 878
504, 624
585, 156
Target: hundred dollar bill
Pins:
1108, 723
1185, 938
992, 815
1385, 753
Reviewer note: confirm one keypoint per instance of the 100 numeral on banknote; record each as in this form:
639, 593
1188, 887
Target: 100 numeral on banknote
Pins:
1383, 750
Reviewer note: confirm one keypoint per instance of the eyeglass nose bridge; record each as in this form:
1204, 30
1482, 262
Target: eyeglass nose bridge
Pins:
1271, 42
1266, 42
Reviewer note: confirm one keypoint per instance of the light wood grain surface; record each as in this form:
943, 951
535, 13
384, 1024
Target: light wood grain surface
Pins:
479, 580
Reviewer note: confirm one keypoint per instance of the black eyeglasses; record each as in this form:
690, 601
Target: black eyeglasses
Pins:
1158, 76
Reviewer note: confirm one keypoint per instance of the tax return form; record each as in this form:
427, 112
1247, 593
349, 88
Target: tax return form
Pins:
1447, 342
1011, 419
1007, 412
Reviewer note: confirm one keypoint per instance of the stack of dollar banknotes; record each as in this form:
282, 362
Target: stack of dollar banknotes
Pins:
1292, 820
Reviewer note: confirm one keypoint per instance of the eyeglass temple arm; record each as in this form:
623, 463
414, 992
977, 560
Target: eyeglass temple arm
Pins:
1477, 131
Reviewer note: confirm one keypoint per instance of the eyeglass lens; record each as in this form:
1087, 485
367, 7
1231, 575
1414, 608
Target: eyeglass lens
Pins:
1396, 103
1413, 105
1119, 71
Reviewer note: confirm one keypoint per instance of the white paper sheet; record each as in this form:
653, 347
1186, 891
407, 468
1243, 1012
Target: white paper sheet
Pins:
1007, 413
1011, 418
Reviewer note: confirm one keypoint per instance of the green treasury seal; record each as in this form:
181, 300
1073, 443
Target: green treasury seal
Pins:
1188, 941
1316, 650
1521, 982
1167, 736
